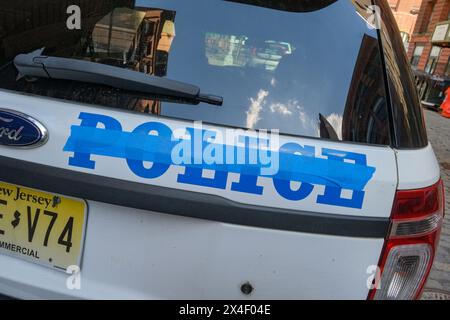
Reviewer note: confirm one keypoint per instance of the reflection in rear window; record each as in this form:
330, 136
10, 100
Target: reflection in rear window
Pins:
315, 73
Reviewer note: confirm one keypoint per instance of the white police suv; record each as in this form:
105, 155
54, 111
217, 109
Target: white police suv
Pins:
242, 149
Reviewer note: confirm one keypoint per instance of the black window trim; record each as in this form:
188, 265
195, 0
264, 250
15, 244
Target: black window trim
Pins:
422, 138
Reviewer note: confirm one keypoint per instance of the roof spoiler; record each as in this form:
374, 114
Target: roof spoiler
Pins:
289, 5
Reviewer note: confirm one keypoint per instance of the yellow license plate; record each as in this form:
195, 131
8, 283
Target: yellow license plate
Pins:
40, 227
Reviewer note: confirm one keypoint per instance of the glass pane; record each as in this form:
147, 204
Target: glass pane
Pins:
316, 73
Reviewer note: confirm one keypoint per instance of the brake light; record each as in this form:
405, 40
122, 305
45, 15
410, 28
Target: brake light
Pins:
410, 247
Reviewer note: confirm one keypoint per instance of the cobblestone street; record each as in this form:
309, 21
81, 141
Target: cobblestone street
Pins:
438, 285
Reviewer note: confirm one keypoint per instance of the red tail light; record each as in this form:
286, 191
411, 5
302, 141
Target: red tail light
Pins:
411, 245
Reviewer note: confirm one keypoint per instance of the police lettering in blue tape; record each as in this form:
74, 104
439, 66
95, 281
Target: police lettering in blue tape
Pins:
154, 142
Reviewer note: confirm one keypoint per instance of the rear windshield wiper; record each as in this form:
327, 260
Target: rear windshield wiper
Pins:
35, 64
289, 5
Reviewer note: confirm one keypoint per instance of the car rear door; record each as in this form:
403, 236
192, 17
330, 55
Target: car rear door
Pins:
176, 208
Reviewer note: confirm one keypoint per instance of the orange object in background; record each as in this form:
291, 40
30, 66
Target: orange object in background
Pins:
445, 106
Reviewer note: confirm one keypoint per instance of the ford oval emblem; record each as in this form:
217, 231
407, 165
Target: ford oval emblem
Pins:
20, 130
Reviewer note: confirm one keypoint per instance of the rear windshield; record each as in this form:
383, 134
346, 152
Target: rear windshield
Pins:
307, 68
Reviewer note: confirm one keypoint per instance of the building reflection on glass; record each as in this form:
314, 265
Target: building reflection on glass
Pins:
240, 51
113, 33
139, 39
365, 114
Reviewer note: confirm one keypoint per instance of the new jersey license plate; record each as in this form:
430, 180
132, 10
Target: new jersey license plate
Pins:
41, 227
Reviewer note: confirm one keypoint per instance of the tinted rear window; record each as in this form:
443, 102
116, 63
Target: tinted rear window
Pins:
310, 71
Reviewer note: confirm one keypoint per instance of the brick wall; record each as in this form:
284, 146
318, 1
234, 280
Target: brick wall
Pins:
442, 62
431, 13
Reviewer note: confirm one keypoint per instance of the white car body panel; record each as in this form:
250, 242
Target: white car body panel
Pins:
59, 116
131, 253
417, 168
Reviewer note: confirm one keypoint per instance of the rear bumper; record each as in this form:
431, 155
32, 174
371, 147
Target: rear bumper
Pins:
131, 254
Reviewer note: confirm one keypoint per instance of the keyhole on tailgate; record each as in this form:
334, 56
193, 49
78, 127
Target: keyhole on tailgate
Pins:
246, 288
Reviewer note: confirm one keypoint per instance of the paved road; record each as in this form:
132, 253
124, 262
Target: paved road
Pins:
438, 285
